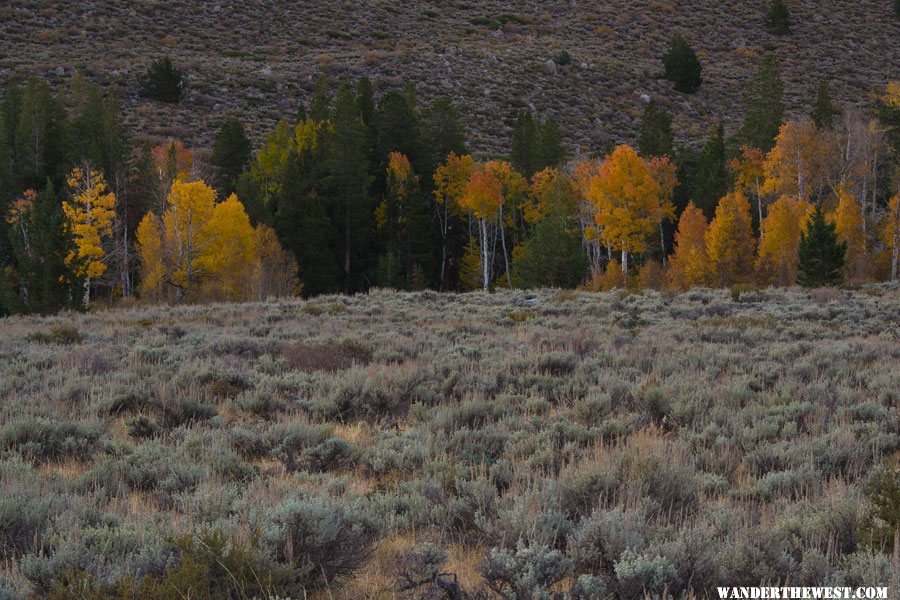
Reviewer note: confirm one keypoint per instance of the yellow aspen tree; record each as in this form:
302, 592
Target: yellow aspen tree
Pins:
90, 215
550, 191
626, 199
581, 174
482, 199
228, 257
749, 174
689, 265
890, 233
782, 227
798, 163
848, 220
514, 189
450, 180
275, 270
150, 252
729, 241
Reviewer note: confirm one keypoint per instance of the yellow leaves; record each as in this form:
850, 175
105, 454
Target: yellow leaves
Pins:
90, 216
892, 94
848, 221
798, 164
451, 178
626, 198
729, 241
209, 250
21, 207
689, 266
550, 191
780, 238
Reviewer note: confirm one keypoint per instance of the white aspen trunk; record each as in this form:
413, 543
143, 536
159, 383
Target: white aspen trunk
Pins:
86, 299
482, 225
624, 260
662, 243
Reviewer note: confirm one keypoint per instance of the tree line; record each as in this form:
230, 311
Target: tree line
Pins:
353, 193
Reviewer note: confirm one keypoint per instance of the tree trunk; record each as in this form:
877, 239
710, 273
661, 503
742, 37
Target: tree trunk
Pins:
347, 256
86, 299
484, 255
624, 260
662, 243
503, 244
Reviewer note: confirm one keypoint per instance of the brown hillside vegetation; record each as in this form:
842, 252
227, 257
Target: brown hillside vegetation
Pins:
609, 445
258, 60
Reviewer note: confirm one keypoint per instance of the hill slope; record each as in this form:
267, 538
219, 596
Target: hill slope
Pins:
257, 60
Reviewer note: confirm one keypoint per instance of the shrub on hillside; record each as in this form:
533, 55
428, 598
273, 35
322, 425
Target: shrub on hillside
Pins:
162, 81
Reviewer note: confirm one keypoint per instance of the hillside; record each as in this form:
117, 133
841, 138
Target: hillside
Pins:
633, 442
257, 60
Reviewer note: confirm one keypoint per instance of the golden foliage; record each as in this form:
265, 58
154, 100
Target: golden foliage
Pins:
90, 215
798, 164
780, 240
689, 265
848, 220
626, 198
729, 241
451, 178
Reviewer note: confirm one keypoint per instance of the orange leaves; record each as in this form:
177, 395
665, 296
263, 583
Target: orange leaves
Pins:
626, 198
748, 169
780, 239
483, 195
689, 266
848, 220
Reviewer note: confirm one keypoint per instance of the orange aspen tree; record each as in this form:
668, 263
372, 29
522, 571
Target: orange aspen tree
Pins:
582, 173
626, 199
848, 220
482, 199
749, 172
689, 264
778, 247
514, 189
90, 215
729, 241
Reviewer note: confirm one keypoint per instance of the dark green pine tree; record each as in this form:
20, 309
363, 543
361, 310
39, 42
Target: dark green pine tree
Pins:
41, 143
823, 110
549, 151
552, 257
524, 141
682, 67
396, 127
711, 181
778, 17
764, 106
655, 137
443, 130
347, 183
230, 155
821, 256
319, 108
365, 100
40, 242
304, 228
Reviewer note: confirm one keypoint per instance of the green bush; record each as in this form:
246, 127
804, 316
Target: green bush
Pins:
682, 67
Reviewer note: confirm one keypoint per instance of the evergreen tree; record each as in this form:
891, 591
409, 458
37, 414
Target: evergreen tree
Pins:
823, 110
655, 137
549, 144
778, 17
40, 242
764, 106
397, 129
231, 154
304, 228
536, 144
552, 256
821, 256
162, 81
348, 184
365, 100
40, 135
682, 67
443, 130
319, 108
524, 141
712, 173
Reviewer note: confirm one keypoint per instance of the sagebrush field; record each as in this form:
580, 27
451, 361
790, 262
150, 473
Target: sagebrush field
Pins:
520, 445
